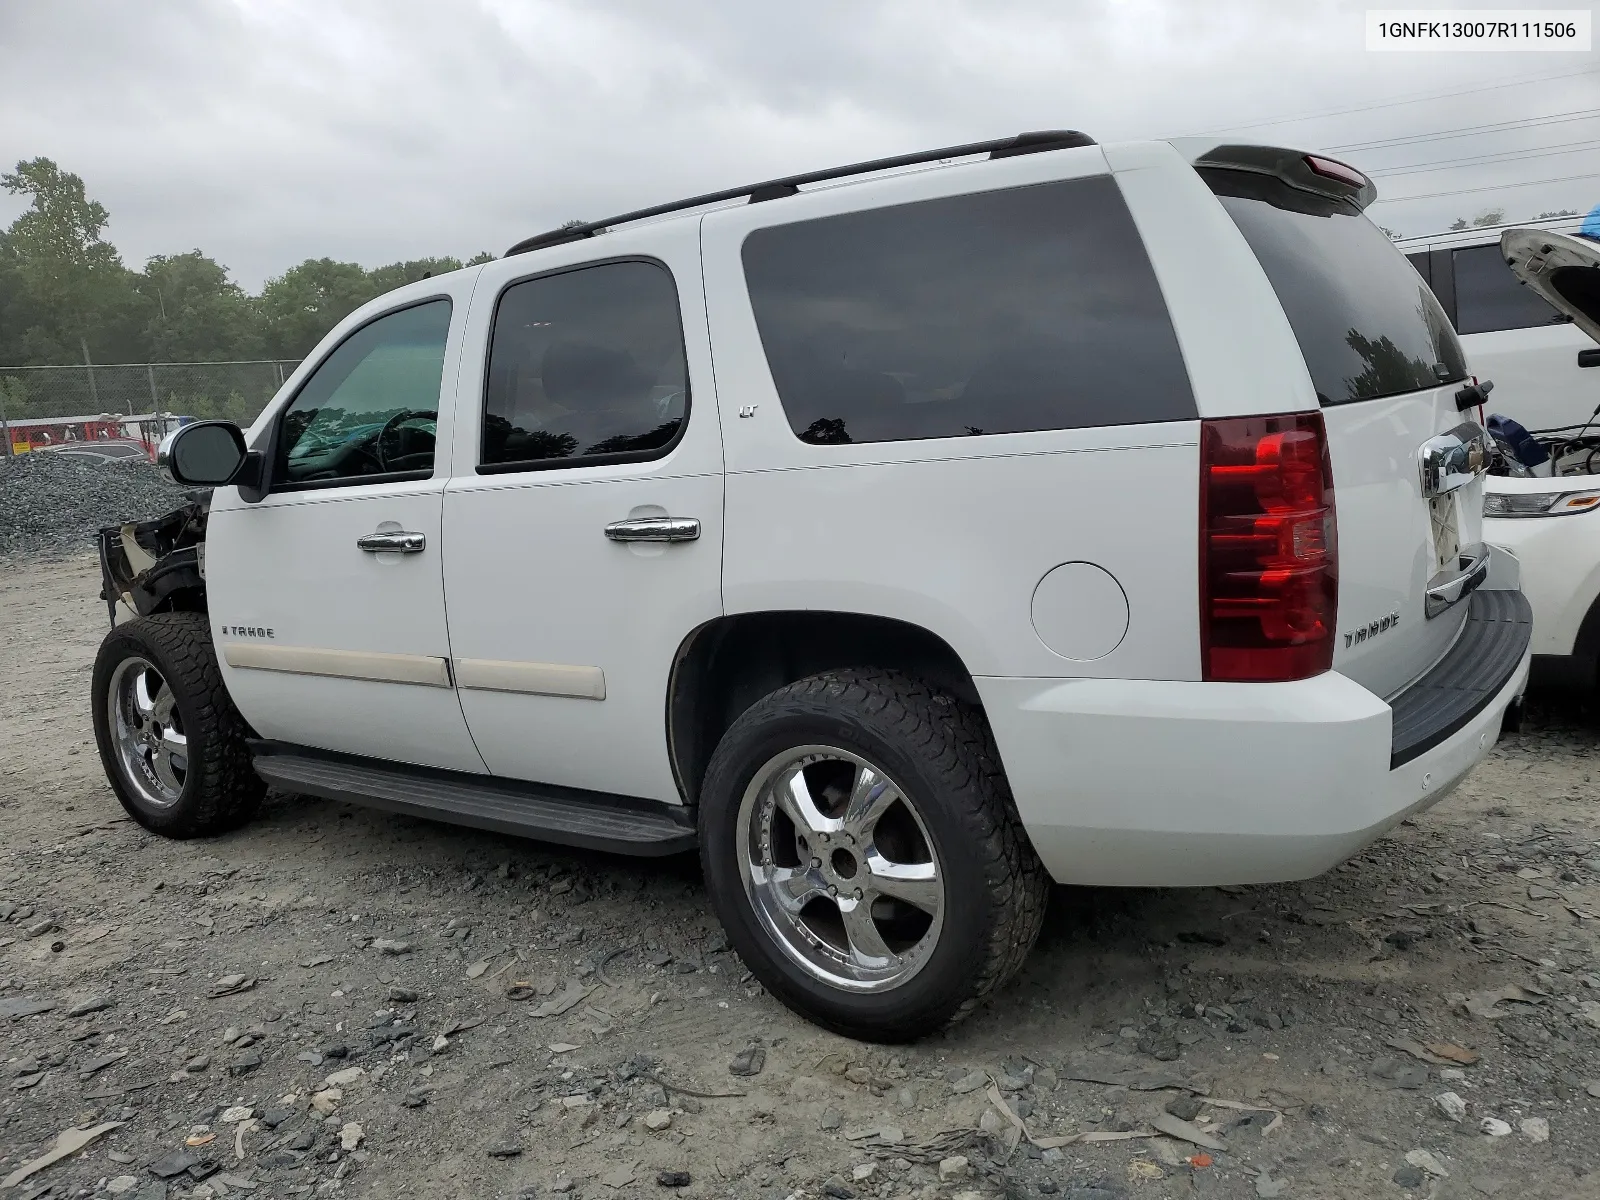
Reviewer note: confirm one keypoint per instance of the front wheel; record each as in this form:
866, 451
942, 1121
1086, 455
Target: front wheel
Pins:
172, 743
861, 846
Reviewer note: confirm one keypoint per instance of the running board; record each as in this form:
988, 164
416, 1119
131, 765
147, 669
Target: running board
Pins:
566, 816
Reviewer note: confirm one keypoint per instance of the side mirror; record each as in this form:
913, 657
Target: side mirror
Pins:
202, 454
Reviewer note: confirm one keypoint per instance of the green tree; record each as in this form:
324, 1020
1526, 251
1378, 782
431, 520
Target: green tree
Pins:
481, 257
64, 284
298, 307
1489, 216
194, 312
387, 278
1563, 212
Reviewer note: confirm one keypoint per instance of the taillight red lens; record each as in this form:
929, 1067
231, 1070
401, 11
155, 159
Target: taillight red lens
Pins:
1268, 548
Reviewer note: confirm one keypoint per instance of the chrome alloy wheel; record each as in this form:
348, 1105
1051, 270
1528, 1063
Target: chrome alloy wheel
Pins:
152, 750
840, 868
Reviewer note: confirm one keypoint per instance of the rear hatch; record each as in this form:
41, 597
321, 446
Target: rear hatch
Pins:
1386, 366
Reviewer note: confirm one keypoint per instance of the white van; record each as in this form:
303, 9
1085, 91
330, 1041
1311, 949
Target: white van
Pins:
1546, 372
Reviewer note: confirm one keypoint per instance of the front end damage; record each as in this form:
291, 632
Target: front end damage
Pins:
157, 565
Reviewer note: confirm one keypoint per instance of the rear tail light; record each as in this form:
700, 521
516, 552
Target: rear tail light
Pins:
1268, 548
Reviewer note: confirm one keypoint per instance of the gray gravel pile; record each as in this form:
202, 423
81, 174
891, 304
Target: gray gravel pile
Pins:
51, 505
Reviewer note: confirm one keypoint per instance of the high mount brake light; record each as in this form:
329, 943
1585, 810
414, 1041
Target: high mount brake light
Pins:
1268, 548
1331, 169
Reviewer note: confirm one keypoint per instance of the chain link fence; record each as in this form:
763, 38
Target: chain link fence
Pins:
234, 391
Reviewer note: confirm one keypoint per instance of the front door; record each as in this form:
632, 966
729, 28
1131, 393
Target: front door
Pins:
584, 517
327, 596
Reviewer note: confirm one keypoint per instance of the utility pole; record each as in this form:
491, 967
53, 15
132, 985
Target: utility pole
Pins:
5, 425
94, 393
155, 406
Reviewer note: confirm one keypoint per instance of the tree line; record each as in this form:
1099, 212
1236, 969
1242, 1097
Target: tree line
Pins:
65, 291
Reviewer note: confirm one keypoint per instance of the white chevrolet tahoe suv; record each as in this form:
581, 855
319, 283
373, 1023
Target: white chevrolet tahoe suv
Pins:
903, 536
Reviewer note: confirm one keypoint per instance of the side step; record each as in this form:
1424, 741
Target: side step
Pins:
566, 816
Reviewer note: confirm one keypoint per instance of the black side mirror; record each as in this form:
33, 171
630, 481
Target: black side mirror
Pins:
203, 454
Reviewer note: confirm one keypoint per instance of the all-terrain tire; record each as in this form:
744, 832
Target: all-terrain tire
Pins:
940, 751
220, 789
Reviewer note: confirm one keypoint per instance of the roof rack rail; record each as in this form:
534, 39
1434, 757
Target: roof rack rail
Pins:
774, 189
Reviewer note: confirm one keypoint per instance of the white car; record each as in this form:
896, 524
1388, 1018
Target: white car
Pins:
1551, 527
1545, 368
1547, 520
903, 536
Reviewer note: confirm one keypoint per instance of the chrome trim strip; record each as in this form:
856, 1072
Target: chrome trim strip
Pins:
340, 664
531, 678
1454, 459
1448, 588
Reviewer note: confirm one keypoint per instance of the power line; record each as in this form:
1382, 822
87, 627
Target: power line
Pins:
1455, 164
1499, 187
1416, 98
1578, 114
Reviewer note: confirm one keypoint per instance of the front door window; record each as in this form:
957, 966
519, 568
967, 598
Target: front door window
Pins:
371, 410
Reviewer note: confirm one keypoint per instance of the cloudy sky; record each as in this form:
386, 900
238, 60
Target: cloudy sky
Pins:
265, 132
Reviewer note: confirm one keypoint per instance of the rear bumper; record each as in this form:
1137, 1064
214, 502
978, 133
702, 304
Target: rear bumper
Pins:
1493, 642
1157, 784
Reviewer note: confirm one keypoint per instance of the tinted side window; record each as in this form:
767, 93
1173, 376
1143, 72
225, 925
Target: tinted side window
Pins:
1030, 308
1419, 260
1367, 326
585, 366
1490, 297
372, 407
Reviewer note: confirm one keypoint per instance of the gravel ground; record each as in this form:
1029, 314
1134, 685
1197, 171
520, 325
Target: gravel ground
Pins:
336, 1000
52, 505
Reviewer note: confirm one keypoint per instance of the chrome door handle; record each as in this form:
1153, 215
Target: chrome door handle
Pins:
392, 543
1446, 588
654, 529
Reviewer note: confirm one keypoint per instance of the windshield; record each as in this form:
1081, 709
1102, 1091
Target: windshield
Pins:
1366, 322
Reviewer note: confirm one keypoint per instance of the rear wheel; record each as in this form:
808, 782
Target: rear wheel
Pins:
861, 846
171, 741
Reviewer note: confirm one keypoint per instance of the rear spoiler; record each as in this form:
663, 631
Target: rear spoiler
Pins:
1307, 172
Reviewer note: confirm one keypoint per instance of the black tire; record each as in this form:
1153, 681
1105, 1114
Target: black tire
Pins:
220, 790
939, 750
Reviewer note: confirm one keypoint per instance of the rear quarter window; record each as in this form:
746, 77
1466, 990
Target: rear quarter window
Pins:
1368, 324
1024, 309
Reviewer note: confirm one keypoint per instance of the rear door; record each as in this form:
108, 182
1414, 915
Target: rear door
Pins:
1386, 366
584, 521
1545, 369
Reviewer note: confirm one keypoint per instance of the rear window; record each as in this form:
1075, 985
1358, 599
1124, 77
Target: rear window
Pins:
1024, 309
1489, 297
1367, 323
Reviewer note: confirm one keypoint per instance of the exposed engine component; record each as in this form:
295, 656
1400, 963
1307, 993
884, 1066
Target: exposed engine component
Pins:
156, 565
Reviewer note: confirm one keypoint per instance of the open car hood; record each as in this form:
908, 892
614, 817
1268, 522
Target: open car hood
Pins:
1565, 270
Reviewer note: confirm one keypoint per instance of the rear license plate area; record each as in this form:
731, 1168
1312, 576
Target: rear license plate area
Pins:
1446, 532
